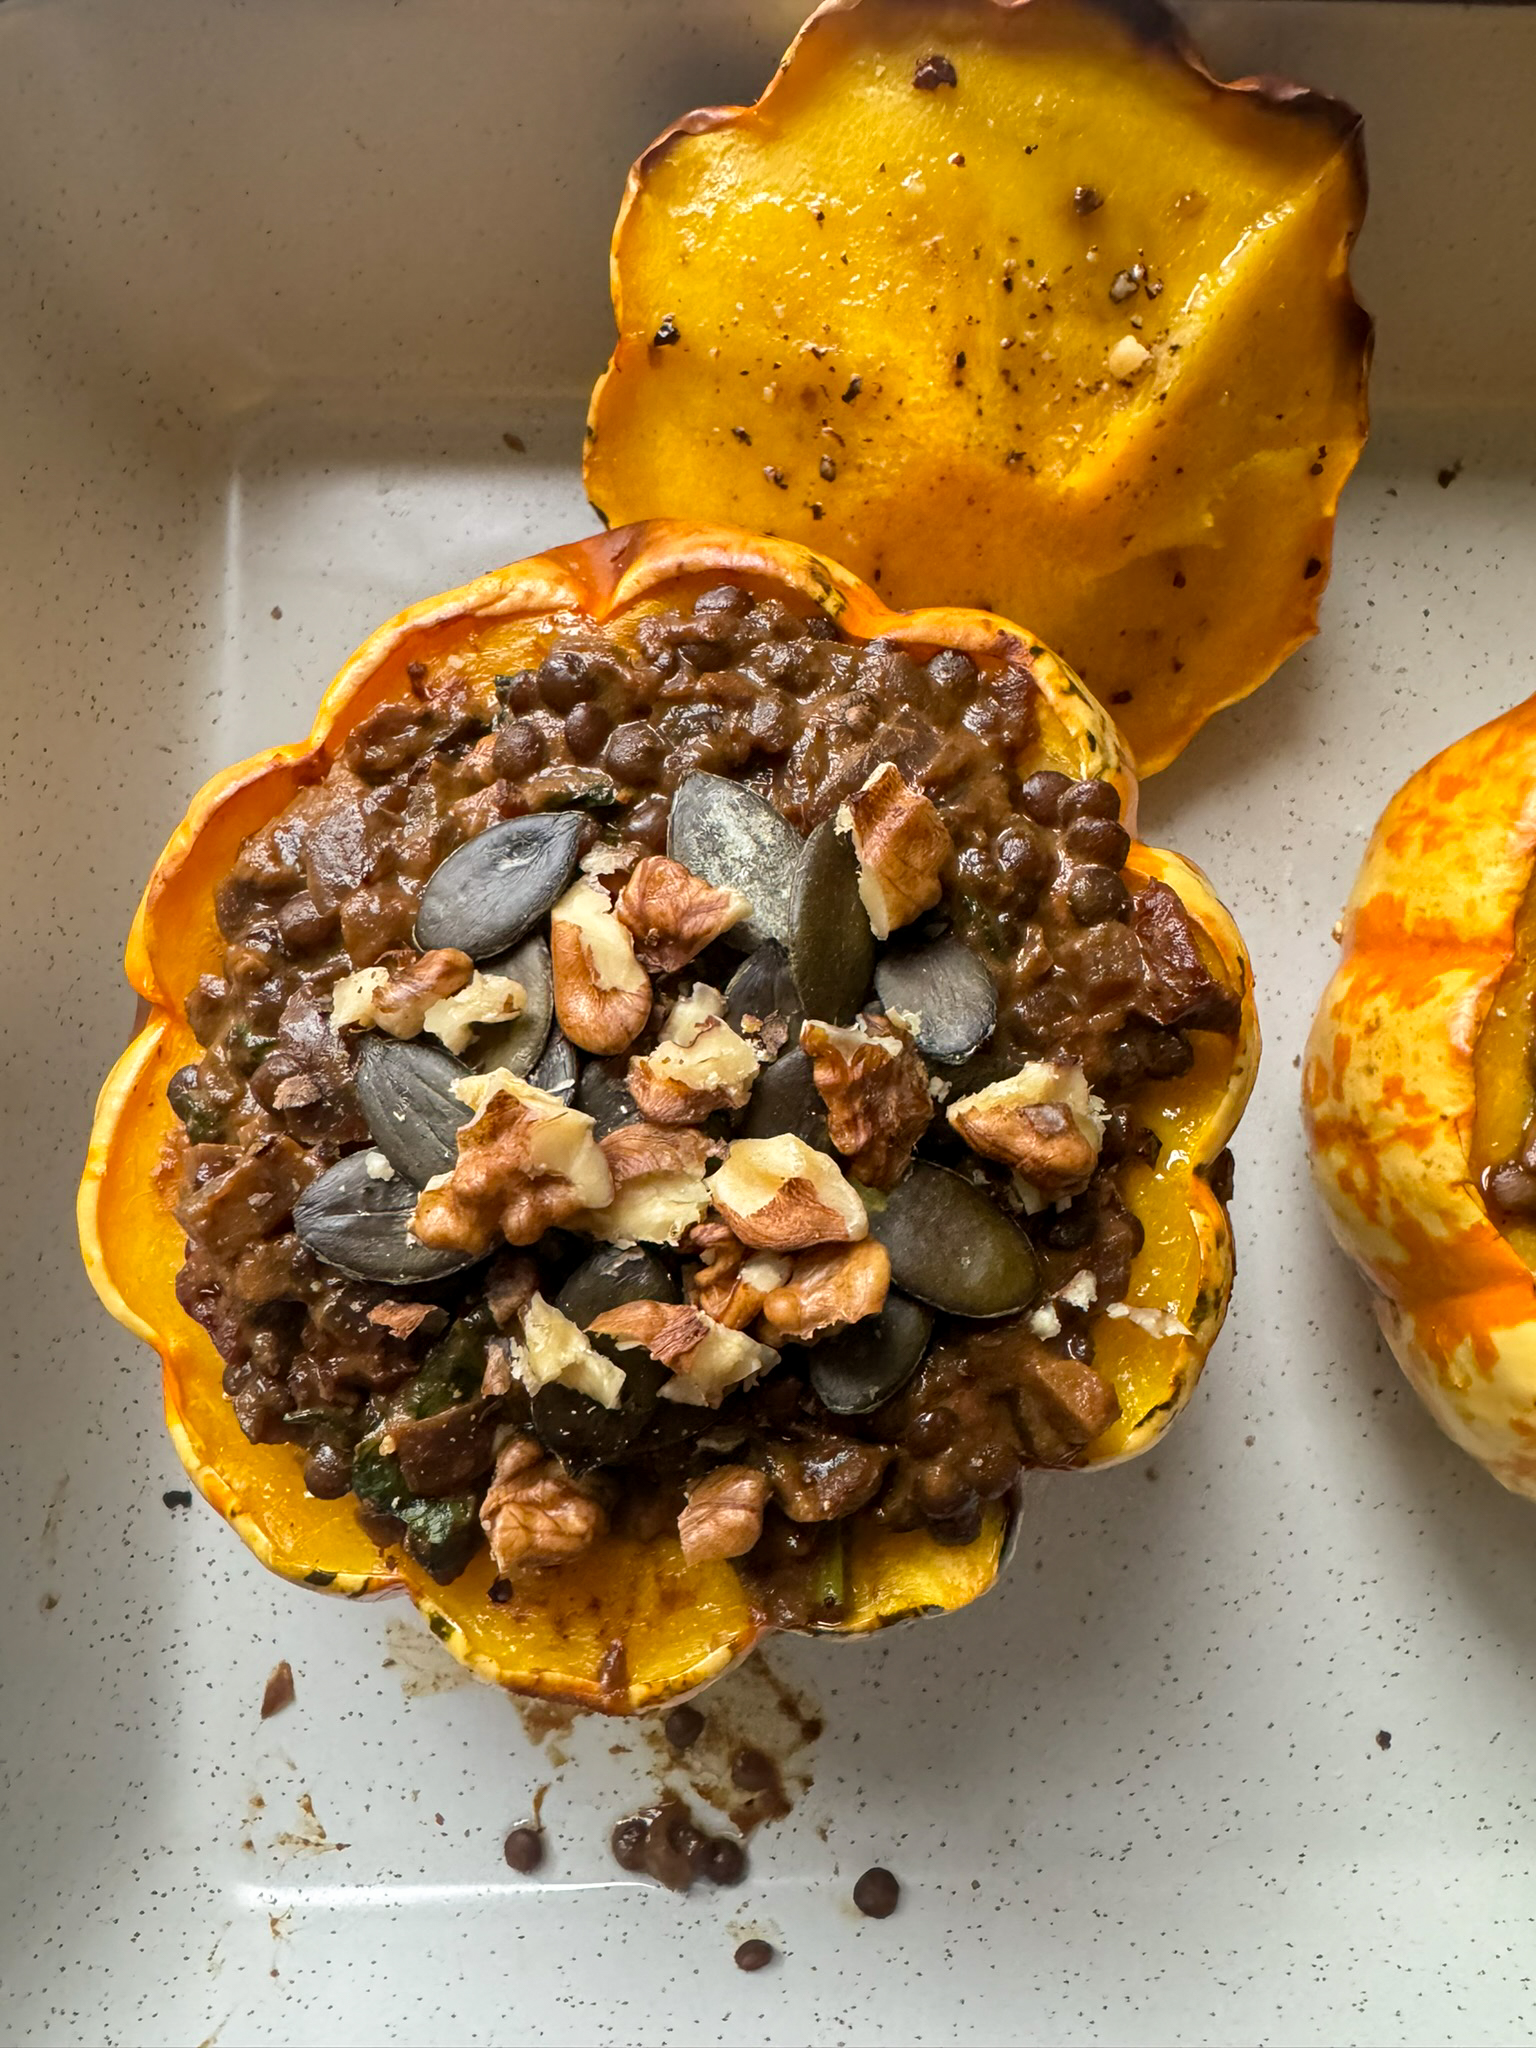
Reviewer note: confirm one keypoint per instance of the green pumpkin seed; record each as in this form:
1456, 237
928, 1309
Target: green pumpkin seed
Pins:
613, 1275
558, 1069
517, 1046
405, 1090
861, 1367
785, 1098
733, 838
831, 947
952, 1247
485, 897
949, 989
602, 1093
763, 986
360, 1226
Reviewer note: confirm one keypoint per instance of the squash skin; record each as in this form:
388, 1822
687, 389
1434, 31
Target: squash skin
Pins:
1173, 547
1398, 1077
681, 1627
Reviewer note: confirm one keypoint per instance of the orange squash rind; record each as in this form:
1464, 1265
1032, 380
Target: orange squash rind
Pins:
680, 1626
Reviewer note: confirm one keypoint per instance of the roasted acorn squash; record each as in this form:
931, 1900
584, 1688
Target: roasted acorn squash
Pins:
679, 1626
1418, 1089
1009, 303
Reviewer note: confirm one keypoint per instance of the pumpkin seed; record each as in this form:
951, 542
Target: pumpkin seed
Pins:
483, 898
831, 947
360, 1226
731, 837
785, 1098
405, 1089
602, 1093
763, 986
517, 1045
952, 1246
951, 992
559, 1069
867, 1363
612, 1276
571, 1425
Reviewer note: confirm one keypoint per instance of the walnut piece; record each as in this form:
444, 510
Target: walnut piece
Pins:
781, 1195
659, 1193
602, 993
485, 999
1041, 1121
731, 1286
706, 1359
668, 1330
510, 1285
673, 914
725, 1359
534, 1513
398, 1002
875, 1086
903, 847
826, 1289
700, 1065
497, 1378
525, 1162
404, 1318
724, 1515
555, 1349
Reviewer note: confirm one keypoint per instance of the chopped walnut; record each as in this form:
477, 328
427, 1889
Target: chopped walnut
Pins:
659, 1192
731, 1285
875, 1086
352, 998
1127, 357
700, 1065
673, 914
780, 1195
602, 993
826, 1289
404, 1318
486, 999
724, 1515
497, 1378
700, 1237
400, 1006
668, 1330
725, 1359
525, 1162
903, 847
511, 1283
706, 1358
534, 1513
555, 1349
1041, 1121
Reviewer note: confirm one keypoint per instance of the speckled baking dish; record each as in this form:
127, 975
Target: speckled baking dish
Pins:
299, 311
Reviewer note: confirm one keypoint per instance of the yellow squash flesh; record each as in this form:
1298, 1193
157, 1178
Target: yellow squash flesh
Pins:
896, 335
1417, 1078
679, 1626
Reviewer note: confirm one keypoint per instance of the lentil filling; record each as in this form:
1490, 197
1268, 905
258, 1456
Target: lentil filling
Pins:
486, 1341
